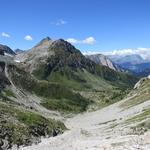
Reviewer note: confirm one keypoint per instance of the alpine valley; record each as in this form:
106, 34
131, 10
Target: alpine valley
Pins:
55, 97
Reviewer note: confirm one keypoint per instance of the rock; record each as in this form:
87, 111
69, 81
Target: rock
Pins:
103, 60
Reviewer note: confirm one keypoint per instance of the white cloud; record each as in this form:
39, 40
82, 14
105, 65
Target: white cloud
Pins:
143, 52
28, 38
5, 35
59, 22
88, 40
72, 40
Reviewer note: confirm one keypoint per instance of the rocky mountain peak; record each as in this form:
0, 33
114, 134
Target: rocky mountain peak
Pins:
46, 39
44, 42
63, 46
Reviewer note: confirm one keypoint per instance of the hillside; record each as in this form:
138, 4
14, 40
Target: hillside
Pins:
140, 93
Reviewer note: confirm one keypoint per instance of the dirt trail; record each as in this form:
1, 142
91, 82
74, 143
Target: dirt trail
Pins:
99, 130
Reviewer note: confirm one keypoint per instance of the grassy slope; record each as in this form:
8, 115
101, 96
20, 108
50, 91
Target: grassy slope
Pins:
82, 78
139, 95
55, 96
140, 122
24, 127
92, 86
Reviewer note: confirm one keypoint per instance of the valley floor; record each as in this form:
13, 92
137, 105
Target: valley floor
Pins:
105, 129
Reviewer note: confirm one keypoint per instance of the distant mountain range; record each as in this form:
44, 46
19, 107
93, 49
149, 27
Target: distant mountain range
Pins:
18, 51
121, 59
135, 63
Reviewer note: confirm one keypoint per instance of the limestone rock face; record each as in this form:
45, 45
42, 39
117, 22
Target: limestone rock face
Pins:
102, 60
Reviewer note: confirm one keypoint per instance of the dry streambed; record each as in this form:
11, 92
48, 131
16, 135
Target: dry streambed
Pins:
105, 129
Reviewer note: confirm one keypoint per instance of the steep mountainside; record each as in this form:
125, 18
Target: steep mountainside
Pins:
140, 93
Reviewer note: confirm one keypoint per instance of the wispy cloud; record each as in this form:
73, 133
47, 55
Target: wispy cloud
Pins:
59, 22
89, 40
28, 38
5, 35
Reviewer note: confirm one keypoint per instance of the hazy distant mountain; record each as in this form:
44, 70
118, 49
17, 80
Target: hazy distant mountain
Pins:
18, 51
132, 59
6, 50
134, 63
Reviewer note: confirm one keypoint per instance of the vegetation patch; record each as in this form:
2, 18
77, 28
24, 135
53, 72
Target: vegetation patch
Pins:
138, 95
23, 127
8, 93
104, 98
142, 116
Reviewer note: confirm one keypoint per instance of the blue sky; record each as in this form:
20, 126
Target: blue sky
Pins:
92, 25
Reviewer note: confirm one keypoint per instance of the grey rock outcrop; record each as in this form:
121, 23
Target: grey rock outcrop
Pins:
102, 60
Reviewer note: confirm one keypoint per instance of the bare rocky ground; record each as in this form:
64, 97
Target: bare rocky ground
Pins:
105, 129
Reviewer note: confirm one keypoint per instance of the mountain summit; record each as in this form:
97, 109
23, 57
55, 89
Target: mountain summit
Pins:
44, 41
